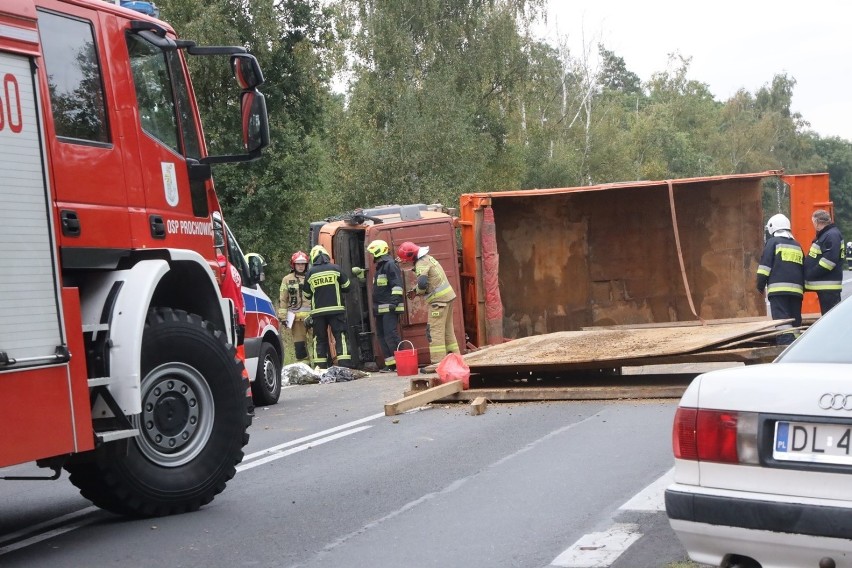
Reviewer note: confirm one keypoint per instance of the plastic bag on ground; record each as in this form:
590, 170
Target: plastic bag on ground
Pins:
341, 375
453, 368
299, 374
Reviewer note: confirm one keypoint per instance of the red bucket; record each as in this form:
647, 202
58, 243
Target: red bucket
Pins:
406, 360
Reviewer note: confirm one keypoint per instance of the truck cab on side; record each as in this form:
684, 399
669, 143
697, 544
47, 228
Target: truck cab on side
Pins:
347, 237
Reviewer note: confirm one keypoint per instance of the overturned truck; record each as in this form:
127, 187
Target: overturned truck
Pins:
647, 253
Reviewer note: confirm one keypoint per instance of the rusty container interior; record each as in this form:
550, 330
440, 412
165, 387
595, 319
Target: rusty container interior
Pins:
607, 255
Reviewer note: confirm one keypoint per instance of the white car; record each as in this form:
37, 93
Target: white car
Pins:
763, 457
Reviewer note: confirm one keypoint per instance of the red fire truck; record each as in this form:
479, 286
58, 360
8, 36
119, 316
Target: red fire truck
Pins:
116, 347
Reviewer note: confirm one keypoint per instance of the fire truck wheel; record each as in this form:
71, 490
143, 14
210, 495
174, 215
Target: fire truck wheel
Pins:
195, 413
266, 388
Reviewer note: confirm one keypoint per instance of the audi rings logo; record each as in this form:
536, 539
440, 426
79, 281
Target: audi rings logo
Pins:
831, 401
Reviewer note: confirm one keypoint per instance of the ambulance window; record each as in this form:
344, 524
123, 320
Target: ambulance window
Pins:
73, 78
153, 91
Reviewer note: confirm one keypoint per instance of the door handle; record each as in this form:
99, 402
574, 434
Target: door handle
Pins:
70, 223
158, 227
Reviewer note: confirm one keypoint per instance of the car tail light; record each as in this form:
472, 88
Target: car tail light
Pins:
715, 435
683, 434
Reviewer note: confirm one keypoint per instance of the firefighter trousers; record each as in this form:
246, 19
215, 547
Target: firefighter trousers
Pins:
387, 330
302, 337
786, 306
334, 325
440, 331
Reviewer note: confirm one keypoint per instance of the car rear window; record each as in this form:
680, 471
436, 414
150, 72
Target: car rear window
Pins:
829, 340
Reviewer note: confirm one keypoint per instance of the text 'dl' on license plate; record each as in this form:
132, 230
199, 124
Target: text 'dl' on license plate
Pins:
815, 443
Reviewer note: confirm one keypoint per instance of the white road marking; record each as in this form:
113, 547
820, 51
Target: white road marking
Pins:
67, 523
5, 549
284, 453
599, 550
275, 449
651, 498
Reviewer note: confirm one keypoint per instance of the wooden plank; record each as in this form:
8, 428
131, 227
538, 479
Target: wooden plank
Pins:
567, 393
610, 348
423, 397
693, 323
478, 406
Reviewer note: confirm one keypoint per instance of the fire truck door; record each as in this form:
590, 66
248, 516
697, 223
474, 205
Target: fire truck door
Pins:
178, 211
84, 139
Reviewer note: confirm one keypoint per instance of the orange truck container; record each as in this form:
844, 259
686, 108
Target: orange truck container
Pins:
626, 253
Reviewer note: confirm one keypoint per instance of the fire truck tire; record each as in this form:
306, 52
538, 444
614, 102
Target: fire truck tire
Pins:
266, 388
195, 413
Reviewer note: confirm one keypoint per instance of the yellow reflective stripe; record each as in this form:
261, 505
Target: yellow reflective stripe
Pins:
328, 309
785, 287
384, 308
764, 270
827, 264
390, 361
396, 291
399, 308
443, 290
381, 280
453, 347
818, 286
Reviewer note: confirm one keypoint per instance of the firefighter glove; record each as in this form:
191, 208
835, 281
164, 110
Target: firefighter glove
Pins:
358, 272
309, 322
411, 293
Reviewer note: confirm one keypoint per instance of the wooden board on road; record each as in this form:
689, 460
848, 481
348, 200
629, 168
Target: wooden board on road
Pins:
422, 397
610, 347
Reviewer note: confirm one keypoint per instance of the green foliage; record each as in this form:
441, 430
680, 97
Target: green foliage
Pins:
444, 97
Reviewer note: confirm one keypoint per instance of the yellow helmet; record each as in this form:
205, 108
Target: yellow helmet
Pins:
316, 251
378, 248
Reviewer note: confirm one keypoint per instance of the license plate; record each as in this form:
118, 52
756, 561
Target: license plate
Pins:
815, 443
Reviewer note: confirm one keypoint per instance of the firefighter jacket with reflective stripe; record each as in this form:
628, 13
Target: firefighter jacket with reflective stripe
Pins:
781, 270
290, 295
387, 286
432, 280
824, 262
324, 284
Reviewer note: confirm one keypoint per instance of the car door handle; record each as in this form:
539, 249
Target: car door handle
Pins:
70, 223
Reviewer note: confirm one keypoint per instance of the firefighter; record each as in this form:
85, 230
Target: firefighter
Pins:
294, 307
781, 274
387, 300
324, 284
824, 263
432, 283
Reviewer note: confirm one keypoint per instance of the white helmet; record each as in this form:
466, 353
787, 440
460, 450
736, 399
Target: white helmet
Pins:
778, 222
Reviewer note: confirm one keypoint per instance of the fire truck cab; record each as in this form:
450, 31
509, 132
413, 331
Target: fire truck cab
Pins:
117, 359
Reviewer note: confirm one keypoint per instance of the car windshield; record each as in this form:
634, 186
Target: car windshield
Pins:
827, 341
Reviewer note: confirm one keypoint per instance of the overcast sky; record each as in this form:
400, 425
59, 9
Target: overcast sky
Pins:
733, 45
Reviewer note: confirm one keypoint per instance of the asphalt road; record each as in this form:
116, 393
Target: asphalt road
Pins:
515, 486
329, 481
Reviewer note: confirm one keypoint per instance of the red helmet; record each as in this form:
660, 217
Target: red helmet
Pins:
298, 256
407, 251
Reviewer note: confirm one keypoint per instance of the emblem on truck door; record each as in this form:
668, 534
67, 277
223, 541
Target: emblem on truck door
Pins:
170, 183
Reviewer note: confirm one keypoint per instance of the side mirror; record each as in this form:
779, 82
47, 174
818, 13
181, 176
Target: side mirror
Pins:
256, 273
255, 122
246, 71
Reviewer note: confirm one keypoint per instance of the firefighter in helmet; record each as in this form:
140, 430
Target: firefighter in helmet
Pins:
432, 282
388, 302
781, 274
294, 307
324, 284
